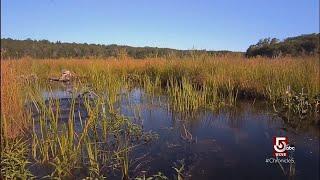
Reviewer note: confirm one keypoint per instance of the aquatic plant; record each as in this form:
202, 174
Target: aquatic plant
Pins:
184, 97
179, 167
292, 104
14, 159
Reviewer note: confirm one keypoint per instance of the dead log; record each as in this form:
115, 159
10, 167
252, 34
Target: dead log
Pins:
66, 76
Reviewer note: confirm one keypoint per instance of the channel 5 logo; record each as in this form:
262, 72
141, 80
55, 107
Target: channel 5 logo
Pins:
281, 147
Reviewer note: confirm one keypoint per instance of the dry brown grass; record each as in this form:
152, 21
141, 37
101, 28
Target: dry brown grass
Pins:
13, 117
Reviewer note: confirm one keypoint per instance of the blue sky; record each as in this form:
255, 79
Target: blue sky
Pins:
181, 24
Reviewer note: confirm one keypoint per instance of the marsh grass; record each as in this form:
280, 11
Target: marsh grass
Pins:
13, 117
184, 97
105, 138
14, 159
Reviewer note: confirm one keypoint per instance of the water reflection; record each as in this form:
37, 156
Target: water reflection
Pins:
228, 144
234, 140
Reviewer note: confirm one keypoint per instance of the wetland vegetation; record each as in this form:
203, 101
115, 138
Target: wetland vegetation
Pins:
112, 116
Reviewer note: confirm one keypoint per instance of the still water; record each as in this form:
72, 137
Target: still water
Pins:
233, 143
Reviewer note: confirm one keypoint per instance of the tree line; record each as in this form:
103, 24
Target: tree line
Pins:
304, 45
42, 49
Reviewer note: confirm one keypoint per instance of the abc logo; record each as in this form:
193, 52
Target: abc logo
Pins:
290, 148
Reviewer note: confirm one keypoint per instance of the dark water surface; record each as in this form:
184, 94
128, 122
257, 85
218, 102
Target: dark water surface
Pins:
228, 144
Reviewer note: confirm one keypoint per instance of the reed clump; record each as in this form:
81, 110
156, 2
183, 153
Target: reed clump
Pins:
95, 142
14, 159
13, 116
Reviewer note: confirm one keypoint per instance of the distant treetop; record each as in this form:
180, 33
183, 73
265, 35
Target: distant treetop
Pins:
293, 46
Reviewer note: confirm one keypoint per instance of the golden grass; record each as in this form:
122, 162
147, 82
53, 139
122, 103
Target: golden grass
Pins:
189, 84
255, 77
13, 117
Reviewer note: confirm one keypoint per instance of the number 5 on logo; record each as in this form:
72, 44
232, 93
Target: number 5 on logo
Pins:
279, 146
